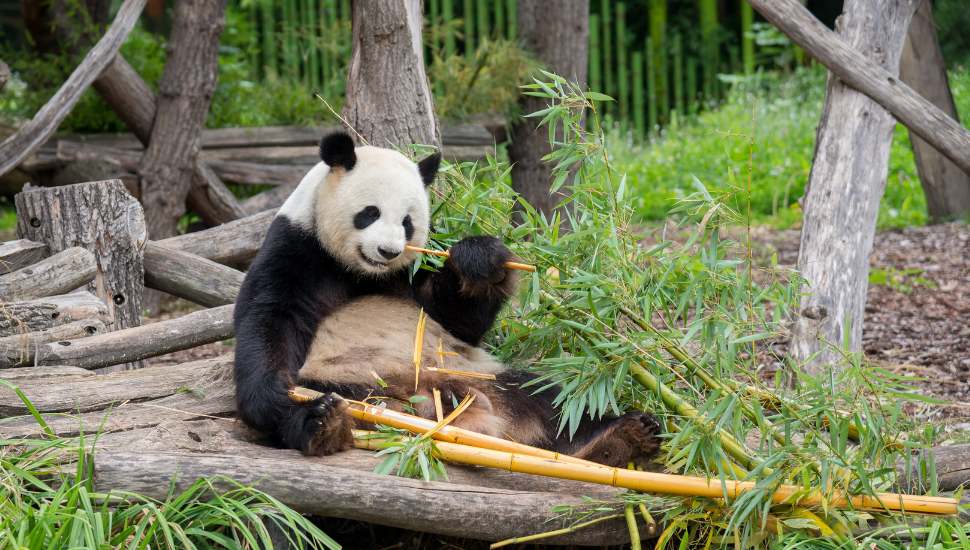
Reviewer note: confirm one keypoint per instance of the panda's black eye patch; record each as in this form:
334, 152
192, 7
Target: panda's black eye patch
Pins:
408, 228
366, 217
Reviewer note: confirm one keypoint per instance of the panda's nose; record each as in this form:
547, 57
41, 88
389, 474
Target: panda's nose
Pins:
387, 253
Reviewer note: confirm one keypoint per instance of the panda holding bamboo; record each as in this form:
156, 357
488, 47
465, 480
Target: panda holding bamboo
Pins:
329, 299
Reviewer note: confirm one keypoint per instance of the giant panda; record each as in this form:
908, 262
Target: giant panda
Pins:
330, 298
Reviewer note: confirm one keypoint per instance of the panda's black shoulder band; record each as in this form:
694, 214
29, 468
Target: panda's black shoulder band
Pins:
428, 167
337, 149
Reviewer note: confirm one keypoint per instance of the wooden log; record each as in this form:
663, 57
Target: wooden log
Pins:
307, 156
189, 276
20, 350
20, 253
234, 242
443, 508
848, 178
32, 135
44, 313
92, 393
135, 344
848, 64
59, 274
952, 469
210, 198
39, 373
103, 218
267, 200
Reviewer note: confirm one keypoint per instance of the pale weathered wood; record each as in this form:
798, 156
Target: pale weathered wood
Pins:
946, 187
952, 469
45, 313
267, 200
134, 344
307, 156
59, 274
847, 181
436, 507
103, 218
39, 373
87, 393
389, 99
32, 135
19, 350
189, 276
864, 71
20, 253
234, 242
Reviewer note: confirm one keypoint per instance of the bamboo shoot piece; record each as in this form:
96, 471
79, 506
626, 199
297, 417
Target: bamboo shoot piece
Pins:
445, 254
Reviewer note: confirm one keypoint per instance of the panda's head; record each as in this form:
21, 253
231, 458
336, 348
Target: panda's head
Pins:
365, 204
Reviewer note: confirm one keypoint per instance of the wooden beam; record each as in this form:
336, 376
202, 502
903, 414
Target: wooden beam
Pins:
39, 373
44, 313
20, 253
135, 344
32, 135
919, 115
189, 276
20, 350
234, 242
59, 274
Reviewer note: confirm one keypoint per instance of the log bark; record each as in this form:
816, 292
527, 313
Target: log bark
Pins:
185, 91
93, 393
868, 76
20, 350
946, 187
234, 242
389, 99
191, 277
952, 469
103, 218
18, 318
59, 274
847, 181
134, 344
267, 200
32, 135
443, 508
38, 373
20, 253
558, 33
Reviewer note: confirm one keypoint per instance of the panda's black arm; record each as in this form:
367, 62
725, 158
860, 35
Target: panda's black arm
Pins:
470, 289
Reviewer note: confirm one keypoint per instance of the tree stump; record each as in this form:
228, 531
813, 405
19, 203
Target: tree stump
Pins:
848, 179
103, 218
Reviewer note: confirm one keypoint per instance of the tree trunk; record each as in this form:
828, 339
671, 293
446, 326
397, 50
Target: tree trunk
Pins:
389, 99
558, 33
947, 188
4, 74
103, 218
185, 91
847, 181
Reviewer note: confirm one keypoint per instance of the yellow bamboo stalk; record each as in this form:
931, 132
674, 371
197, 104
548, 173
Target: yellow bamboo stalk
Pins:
438, 410
445, 254
462, 373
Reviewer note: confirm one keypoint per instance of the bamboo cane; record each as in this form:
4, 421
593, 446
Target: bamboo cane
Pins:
691, 72
638, 118
622, 65
678, 75
468, 15
445, 254
270, 64
609, 85
651, 88
435, 25
448, 15
510, 17
499, 30
482, 22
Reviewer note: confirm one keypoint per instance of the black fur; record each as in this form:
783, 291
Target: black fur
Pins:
408, 227
337, 149
366, 217
428, 168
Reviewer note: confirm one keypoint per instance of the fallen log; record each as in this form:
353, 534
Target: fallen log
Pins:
231, 243
952, 464
271, 199
44, 313
39, 373
20, 253
919, 115
306, 156
20, 350
189, 276
443, 508
32, 135
93, 393
134, 344
59, 274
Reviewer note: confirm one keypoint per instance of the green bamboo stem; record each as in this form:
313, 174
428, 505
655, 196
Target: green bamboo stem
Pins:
595, 74
311, 30
327, 18
631, 521
468, 15
609, 85
553, 533
482, 22
511, 17
691, 70
254, 52
447, 16
678, 75
499, 30
658, 32
651, 88
345, 13
434, 27
638, 114
622, 65
270, 64
735, 60
708, 15
292, 44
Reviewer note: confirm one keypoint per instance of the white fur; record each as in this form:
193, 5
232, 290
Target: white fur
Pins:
327, 200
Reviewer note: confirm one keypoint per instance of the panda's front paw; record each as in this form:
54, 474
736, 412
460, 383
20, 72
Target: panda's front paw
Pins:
479, 262
322, 427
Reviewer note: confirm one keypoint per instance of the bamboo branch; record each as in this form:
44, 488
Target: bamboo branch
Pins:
445, 254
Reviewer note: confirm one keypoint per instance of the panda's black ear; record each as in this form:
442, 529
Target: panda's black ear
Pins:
337, 149
428, 167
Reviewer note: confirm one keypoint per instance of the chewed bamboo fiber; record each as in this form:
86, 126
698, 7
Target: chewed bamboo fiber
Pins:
509, 265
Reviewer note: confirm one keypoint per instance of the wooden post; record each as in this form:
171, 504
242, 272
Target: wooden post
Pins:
947, 188
847, 181
102, 218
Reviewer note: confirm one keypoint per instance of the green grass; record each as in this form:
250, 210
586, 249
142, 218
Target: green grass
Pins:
786, 112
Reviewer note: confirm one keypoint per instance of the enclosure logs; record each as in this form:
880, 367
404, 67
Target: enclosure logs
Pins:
59, 274
20, 350
25, 316
189, 276
20, 253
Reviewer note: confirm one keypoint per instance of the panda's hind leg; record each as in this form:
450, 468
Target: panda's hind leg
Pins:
617, 441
